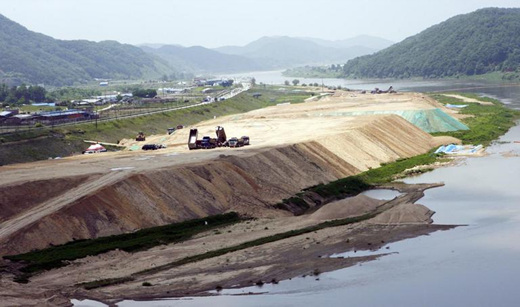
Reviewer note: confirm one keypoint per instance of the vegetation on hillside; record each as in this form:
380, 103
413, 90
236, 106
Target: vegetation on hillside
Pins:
481, 42
35, 58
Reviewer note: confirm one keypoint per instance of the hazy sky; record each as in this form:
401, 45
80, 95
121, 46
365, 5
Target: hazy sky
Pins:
213, 23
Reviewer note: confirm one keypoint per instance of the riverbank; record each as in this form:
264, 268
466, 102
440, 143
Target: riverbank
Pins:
393, 220
238, 180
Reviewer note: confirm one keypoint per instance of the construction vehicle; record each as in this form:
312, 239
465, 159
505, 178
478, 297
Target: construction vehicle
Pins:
245, 140
378, 91
233, 142
208, 142
192, 140
221, 136
140, 137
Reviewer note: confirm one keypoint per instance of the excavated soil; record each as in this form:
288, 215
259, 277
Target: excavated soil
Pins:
292, 147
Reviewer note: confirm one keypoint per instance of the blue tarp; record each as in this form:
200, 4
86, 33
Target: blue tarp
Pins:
458, 149
456, 106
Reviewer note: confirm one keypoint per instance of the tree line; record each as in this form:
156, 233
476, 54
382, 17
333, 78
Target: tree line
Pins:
22, 94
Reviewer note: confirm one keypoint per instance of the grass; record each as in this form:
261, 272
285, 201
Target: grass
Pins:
257, 242
353, 185
487, 122
57, 256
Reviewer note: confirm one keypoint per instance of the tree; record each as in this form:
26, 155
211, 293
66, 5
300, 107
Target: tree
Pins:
286, 82
4, 91
295, 82
253, 81
144, 93
37, 93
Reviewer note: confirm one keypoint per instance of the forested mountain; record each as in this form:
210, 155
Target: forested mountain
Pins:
284, 51
26, 56
484, 41
200, 59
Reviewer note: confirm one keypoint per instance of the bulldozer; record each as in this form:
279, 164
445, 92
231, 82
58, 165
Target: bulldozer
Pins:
140, 137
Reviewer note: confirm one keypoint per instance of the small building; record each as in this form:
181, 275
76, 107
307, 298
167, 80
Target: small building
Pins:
55, 117
88, 102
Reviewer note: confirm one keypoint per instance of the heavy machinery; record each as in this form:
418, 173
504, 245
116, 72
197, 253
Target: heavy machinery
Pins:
140, 137
221, 140
221, 136
192, 140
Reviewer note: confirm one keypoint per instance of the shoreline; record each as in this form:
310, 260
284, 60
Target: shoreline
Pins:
260, 264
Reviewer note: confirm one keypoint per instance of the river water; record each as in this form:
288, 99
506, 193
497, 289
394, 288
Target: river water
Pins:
474, 265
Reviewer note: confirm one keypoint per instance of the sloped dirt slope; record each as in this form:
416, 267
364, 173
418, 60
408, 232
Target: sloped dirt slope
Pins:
248, 184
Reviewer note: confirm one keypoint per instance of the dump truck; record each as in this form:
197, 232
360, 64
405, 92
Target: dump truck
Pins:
140, 137
192, 140
221, 136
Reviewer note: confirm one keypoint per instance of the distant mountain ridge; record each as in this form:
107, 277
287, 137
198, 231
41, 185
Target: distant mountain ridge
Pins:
367, 41
32, 57
198, 59
284, 51
483, 41
270, 52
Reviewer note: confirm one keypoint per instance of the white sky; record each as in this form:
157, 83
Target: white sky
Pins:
214, 23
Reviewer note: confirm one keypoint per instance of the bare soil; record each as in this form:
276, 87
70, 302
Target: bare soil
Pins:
292, 147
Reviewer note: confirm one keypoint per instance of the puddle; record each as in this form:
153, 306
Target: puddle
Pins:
382, 194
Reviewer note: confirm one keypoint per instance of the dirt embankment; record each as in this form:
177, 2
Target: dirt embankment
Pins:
249, 184
309, 252
20, 197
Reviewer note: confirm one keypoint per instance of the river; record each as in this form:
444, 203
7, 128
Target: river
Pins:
473, 265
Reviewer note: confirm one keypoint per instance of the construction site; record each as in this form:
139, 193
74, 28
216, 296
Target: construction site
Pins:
291, 147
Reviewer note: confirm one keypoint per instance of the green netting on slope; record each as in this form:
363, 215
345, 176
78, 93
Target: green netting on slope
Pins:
431, 120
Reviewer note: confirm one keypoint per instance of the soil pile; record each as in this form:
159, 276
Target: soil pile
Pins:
349, 207
293, 147
249, 184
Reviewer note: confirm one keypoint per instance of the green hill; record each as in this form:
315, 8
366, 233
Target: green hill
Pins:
481, 42
32, 57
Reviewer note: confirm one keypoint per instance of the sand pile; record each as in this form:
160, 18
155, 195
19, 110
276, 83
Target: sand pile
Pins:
406, 213
349, 207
